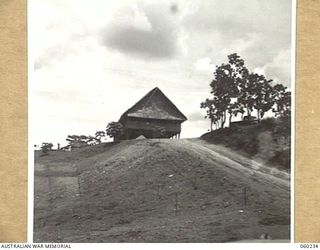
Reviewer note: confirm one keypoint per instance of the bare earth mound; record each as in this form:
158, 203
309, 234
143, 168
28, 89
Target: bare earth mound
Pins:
158, 191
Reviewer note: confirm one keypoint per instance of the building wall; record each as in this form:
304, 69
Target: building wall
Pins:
135, 127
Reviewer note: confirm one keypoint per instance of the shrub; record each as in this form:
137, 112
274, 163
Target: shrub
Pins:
114, 130
268, 123
282, 159
269, 140
46, 147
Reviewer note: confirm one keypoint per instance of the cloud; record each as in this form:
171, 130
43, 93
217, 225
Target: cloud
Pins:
195, 116
204, 64
236, 18
279, 68
97, 58
174, 8
145, 31
257, 30
51, 55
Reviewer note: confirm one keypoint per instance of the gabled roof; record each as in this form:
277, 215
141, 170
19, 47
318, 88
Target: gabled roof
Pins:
155, 105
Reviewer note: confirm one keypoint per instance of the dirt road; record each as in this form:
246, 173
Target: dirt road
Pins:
158, 191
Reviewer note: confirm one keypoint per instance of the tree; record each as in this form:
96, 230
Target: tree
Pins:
78, 141
237, 91
235, 109
212, 112
282, 99
92, 140
240, 75
225, 90
262, 94
114, 130
46, 147
99, 135
246, 96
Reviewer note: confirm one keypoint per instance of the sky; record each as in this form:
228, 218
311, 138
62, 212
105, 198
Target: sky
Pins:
92, 60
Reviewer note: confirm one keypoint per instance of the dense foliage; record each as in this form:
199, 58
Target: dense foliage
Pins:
235, 91
78, 141
114, 129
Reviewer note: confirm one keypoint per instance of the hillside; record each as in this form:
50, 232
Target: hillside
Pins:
267, 142
158, 191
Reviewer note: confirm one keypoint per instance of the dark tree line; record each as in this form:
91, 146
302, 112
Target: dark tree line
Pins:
113, 129
236, 91
84, 140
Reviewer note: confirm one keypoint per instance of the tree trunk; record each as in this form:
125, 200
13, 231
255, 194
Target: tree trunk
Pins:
248, 112
223, 119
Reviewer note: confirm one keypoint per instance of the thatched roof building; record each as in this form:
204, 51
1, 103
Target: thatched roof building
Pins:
154, 116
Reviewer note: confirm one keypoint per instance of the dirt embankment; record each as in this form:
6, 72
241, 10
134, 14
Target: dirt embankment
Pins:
268, 141
158, 191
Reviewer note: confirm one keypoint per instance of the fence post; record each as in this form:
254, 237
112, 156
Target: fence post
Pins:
176, 205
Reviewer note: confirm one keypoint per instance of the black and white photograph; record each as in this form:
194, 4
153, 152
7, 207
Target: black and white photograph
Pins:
165, 121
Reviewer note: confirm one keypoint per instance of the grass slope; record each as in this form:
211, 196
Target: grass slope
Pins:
155, 191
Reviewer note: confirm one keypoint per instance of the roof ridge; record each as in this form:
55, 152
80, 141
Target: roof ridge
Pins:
146, 99
153, 91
